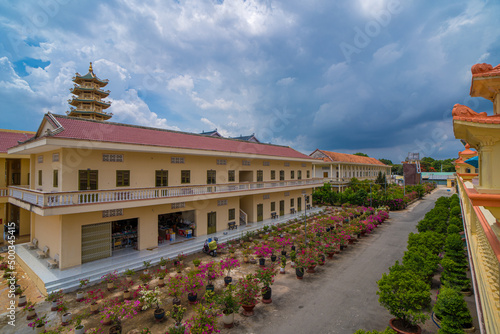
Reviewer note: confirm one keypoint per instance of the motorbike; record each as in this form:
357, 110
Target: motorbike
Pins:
210, 247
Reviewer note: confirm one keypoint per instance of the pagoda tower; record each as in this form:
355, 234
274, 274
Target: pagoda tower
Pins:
88, 94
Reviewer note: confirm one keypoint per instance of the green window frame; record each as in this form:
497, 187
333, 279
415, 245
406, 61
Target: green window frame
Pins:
299, 175
282, 175
211, 176
123, 178
292, 202
161, 178
260, 176
231, 176
273, 206
292, 174
231, 214
29, 179
40, 177
55, 181
308, 174
185, 176
273, 175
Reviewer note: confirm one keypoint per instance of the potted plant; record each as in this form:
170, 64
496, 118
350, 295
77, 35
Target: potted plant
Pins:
228, 264
151, 298
196, 262
79, 327
228, 303
193, 281
80, 294
128, 274
39, 324
21, 301
177, 314
54, 297
283, 264
265, 276
247, 293
160, 274
110, 279
293, 257
92, 297
451, 308
406, 296
114, 312
30, 310
62, 308
125, 286
175, 287
203, 321
163, 264
146, 264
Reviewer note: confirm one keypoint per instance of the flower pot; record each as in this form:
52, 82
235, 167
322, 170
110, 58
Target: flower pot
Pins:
192, 297
342, 247
176, 301
94, 308
80, 296
247, 310
227, 280
31, 314
330, 255
311, 270
127, 295
293, 247
228, 320
266, 295
21, 301
322, 260
80, 329
145, 271
253, 260
395, 324
110, 286
283, 252
163, 267
128, 278
66, 318
40, 329
210, 287
282, 270
246, 259
273, 258
53, 305
115, 329
159, 314
262, 262
161, 282
299, 272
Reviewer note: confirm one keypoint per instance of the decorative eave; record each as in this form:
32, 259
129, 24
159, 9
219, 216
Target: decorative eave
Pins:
475, 128
75, 100
76, 88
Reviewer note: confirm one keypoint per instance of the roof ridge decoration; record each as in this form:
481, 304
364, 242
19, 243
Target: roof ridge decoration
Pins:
59, 127
459, 110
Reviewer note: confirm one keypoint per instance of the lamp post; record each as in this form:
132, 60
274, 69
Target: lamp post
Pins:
305, 217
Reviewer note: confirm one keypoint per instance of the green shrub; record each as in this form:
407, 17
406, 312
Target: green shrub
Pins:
451, 307
421, 261
455, 211
454, 248
430, 239
388, 330
447, 327
457, 222
454, 275
453, 229
404, 295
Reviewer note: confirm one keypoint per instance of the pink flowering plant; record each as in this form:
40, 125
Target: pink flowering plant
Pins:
115, 311
38, 322
265, 276
307, 257
211, 270
175, 286
248, 290
228, 264
263, 251
204, 321
93, 296
110, 277
193, 281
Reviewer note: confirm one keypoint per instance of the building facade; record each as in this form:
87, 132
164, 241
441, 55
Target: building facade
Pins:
461, 166
339, 168
480, 194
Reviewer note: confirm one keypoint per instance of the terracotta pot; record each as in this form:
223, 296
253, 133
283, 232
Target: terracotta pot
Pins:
21, 301
228, 320
31, 314
94, 308
161, 282
127, 295
395, 321
247, 310
311, 270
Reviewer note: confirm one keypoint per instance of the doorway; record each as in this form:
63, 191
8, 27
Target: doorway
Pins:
299, 203
211, 222
282, 208
260, 212
87, 180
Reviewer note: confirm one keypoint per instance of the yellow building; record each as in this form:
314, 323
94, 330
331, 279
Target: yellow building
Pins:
461, 166
15, 172
481, 200
339, 168
96, 186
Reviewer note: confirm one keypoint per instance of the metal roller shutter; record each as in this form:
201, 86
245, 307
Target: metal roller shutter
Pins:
96, 242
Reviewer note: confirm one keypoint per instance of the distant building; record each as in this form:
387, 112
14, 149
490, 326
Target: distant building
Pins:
251, 138
411, 169
461, 166
440, 178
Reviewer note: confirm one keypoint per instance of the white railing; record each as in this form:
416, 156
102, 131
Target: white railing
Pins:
4, 192
44, 199
243, 217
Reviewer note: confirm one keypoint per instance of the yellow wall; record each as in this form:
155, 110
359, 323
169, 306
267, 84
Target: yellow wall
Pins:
48, 233
3, 176
47, 167
24, 222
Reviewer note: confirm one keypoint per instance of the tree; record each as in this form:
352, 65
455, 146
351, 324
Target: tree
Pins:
380, 178
361, 154
452, 310
385, 161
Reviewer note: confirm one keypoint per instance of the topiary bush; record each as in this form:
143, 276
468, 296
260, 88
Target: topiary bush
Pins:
432, 240
421, 261
451, 308
454, 275
388, 330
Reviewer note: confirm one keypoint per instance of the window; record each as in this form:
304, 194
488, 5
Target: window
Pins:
299, 175
287, 164
273, 175
292, 202
55, 181
231, 214
39, 177
260, 175
287, 193
122, 178
177, 160
303, 165
210, 177
161, 177
29, 179
292, 174
282, 175
185, 176
308, 174
40, 159
112, 213
266, 163
266, 196
245, 163
55, 157
231, 176
112, 157
178, 205
221, 162
273, 206
222, 202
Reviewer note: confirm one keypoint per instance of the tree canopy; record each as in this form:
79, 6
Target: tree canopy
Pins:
361, 154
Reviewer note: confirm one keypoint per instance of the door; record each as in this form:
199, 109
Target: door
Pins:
260, 212
87, 180
211, 222
299, 203
325, 175
282, 208
96, 242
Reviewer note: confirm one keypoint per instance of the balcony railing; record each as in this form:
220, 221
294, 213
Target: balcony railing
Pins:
58, 199
483, 242
4, 192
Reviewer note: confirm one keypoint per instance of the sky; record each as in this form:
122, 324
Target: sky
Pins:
373, 76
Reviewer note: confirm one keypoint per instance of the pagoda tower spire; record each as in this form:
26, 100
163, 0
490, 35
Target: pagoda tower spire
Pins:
88, 94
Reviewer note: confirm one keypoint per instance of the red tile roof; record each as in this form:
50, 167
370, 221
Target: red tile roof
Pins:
485, 70
9, 138
344, 157
82, 129
467, 151
464, 113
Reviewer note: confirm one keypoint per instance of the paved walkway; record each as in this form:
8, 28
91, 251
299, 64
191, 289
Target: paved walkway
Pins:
341, 297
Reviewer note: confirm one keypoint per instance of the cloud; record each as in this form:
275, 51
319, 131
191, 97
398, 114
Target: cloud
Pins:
181, 83
387, 54
285, 81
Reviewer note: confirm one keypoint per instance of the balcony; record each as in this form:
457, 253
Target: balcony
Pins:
483, 243
46, 200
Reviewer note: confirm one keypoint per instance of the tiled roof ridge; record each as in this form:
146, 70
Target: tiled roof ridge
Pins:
164, 130
464, 113
367, 160
485, 70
